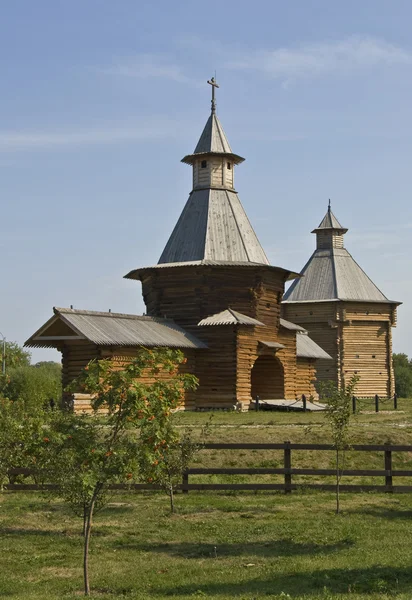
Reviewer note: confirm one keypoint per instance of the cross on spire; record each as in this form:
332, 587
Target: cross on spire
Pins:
214, 85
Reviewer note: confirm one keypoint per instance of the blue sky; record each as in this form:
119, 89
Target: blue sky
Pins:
100, 100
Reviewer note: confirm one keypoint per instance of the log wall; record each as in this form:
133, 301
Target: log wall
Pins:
75, 356
357, 335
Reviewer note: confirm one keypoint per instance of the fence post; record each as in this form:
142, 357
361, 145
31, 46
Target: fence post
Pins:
377, 403
395, 402
185, 481
304, 402
354, 404
257, 403
287, 465
388, 469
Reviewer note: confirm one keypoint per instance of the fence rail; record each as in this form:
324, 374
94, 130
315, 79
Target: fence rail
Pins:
387, 472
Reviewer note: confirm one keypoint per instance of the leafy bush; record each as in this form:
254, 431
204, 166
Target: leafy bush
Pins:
402, 366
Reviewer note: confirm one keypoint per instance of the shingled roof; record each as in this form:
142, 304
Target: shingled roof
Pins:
213, 141
213, 226
331, 273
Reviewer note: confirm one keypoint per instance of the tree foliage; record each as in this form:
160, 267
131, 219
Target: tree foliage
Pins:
20, 428
15, 355
338, 413
34, 385
402, 367
84, 455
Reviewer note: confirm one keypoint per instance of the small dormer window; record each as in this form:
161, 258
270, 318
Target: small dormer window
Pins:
229, 166
203, 164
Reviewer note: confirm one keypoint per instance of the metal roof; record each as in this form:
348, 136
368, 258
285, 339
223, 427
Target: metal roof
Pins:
291, 326
329, 221
212, 141
213, 226
272, 345
116, 329
137, 273
307, 348
332, 274
229, 317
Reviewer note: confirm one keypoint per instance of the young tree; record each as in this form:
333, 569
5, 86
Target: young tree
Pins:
85, 456
164, 456
338, 413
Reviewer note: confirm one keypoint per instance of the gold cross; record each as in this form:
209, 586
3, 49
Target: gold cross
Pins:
214, 85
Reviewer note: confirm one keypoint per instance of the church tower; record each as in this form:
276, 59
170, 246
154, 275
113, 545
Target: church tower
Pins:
345, 313
214, 280
213, 295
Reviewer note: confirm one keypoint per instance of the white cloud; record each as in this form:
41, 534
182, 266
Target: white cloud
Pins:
146, 66
313, 60
149, 129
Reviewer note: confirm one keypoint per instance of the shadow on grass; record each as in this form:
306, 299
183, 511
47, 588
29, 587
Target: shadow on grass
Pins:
375, 579
269, 549
384, 513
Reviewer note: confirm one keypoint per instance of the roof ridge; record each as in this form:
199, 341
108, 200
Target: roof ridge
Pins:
95, 313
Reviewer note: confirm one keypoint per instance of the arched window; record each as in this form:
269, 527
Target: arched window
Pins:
229, 166
203, 164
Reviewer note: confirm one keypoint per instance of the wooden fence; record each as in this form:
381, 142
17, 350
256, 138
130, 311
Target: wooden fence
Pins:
387, 472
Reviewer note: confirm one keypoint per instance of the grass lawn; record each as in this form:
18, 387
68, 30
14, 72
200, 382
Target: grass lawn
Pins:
243, 546
224, 546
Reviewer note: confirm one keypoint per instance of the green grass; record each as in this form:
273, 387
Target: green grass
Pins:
224, 546
218, 546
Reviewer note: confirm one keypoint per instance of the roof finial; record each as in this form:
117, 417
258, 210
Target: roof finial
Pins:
329, 206
214, 85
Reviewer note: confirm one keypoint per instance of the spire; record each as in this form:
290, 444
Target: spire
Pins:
213, 139
213, 225
330, 222
331, 273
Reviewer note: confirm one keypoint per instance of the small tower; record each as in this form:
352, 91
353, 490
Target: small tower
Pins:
345, 313
213, 224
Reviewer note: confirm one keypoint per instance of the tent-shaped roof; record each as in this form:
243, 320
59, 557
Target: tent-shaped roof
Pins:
213, 141
111, 329
213, 226
331, 272
329, 221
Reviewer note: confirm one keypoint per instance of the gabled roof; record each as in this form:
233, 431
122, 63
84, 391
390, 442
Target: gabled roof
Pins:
307, 348
213, 226
329, 221
229, 317
332, 274
213, 141
111, 329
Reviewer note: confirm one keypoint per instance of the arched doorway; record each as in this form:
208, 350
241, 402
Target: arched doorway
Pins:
267, 378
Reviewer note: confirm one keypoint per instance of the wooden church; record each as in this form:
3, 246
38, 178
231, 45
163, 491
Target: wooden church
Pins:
214, 295
345, 313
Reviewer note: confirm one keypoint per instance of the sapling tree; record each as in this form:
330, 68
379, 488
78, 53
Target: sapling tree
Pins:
85, 455
338, 413
164, 455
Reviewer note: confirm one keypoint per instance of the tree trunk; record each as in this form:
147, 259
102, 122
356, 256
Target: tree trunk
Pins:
172, 500
337, 482
84, 520
87, 544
